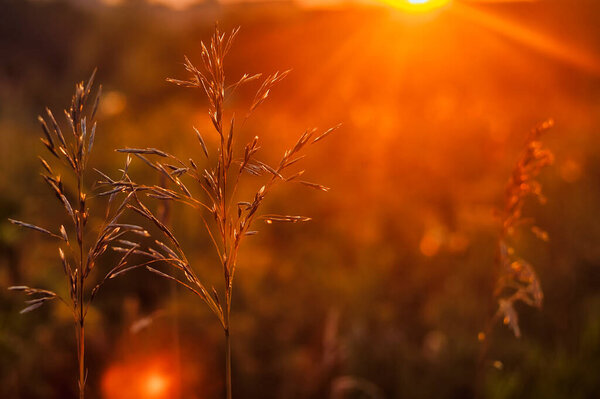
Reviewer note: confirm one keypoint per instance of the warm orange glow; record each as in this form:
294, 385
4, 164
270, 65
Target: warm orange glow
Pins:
418, 6
550, 45
431, 242
143, 379
156, 385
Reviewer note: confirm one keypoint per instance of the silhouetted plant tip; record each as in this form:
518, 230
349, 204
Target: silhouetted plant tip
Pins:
219, 182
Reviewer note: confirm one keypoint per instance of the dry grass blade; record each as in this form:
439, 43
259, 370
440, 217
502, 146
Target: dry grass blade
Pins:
265, 89
41, 297
285, 218
326, 133
46, 165
32, 307
150, 151
36, 228
315, 186
202, 143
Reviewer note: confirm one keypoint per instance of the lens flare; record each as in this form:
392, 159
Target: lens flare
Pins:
418, 6
157, 385
150, 378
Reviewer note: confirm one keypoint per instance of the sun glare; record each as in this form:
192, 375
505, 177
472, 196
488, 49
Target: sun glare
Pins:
418, 6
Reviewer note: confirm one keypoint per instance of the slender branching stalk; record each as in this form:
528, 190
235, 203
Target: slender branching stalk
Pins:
78, 259
518, 281
227, 220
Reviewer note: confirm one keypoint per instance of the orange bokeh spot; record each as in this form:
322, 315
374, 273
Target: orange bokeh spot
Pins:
432, 241
140, 378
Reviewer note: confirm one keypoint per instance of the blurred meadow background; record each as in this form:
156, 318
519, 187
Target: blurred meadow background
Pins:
383, 293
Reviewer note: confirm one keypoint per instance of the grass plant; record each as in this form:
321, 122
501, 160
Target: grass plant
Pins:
227, 218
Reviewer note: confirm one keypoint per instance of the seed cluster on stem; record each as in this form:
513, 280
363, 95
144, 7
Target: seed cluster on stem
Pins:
517, 280
72, 150
226, 219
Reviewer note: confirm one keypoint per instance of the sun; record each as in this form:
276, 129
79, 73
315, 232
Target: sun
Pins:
418, 6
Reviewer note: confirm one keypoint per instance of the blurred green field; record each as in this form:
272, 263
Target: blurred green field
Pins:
385, 290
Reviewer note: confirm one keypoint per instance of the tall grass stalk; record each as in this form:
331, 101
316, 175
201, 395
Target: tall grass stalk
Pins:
517, 280
227, 219
72, 150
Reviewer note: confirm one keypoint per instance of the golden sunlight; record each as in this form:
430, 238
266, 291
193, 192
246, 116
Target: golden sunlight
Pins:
418, 6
